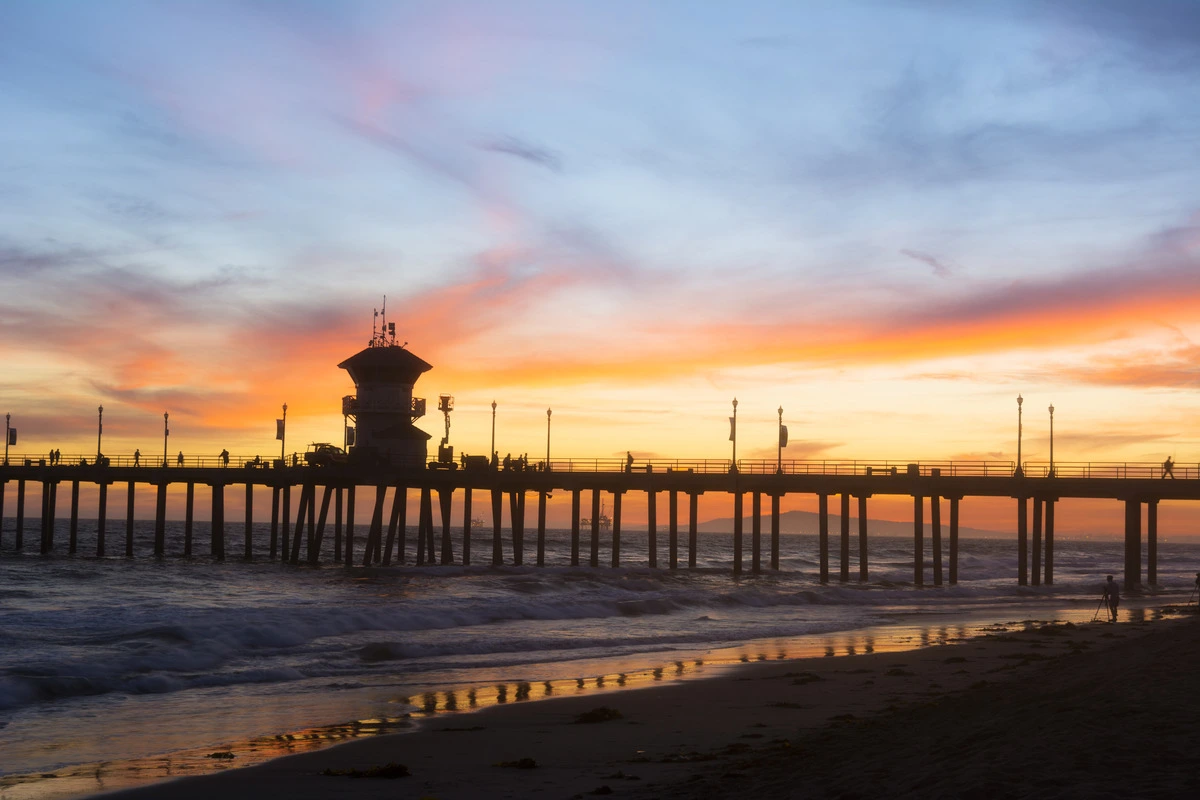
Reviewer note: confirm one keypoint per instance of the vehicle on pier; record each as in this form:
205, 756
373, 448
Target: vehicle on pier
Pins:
323, 454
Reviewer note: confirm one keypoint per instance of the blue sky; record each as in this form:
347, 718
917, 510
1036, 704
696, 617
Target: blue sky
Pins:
869, 213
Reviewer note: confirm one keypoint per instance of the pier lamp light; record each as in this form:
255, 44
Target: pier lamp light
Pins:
493, 450
283, 437
1020, 472
547, 439
99, 431
779, 458
7, 436
1052, 440
733, 435
166, 433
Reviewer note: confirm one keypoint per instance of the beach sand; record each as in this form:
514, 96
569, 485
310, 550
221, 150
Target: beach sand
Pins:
1029, 709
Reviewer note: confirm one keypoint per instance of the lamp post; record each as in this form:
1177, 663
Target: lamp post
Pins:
547, 440
1019, 473
733, 435
7, 436
166, 433
1051, 440
493, 430
779, 459
99, 432
283, 437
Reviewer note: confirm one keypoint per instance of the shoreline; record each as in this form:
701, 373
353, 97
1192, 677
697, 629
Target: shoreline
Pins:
720, 667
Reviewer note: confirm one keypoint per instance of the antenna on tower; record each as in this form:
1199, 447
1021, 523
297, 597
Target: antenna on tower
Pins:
383, 333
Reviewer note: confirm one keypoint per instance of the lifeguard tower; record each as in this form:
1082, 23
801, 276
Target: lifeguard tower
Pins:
384, 409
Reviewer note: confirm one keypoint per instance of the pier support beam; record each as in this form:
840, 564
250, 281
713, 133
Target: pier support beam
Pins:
616, 529
49, 504
652, 528
316, 537
935, 532
19, 539
305, 508
737, 532
101, 519
397, 523
374, 530
1152, 542
693, 504
129, 522
673, 529
1022, 542
348, 555
189, 516
516, 510
3, 489
953, 540
575, 527
337, 525
1048, 575
497, 540
218, 521
844, 543
862, 537
595, 554
918, 540
160, 520
466, 545
775, 532
756, 532
823, 537
541, 530
1133, 545
274, 522
248, 548
425, 528
446, 500
1035, 554
73, 533
285, 514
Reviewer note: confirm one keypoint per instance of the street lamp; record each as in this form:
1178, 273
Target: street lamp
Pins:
493, 430
99, 432
1051, 440
779, 462
7, 436
547, 440
166, 433
283, 437
733, 435
1020, 472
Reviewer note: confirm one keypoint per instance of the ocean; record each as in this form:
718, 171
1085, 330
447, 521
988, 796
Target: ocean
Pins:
117, 671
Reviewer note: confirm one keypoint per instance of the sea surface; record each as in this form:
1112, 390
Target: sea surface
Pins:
116, 671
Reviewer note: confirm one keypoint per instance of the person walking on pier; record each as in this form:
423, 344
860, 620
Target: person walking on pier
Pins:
179, 460
628, 461
1168, 467
137, 457
1112, 597
224, 458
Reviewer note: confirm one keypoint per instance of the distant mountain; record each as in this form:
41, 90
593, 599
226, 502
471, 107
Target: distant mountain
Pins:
808, 522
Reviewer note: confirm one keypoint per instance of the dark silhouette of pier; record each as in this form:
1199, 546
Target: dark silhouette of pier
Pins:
327, 496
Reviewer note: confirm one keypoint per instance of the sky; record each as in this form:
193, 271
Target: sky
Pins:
888, 219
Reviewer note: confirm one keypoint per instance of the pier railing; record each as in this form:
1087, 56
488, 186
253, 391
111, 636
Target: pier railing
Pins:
999, 469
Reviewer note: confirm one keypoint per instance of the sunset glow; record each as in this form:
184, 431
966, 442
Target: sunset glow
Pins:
888, 219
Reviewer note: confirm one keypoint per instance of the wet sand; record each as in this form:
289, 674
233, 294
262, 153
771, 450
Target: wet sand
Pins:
1034, 709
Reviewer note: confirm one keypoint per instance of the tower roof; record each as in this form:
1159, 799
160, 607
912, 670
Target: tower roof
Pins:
384, 365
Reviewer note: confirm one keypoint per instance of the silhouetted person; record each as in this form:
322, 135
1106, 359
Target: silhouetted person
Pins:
628, 461
179, 460
507, 461
495, 459
1112, 597
224, 458
137, 458
1168, 466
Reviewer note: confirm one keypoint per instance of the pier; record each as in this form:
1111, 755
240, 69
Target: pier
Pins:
325, 523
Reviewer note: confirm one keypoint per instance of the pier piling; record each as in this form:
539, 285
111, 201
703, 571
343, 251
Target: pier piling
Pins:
1035, 554
445, 498
129, 522
218, 521
575, 497
616, 529
935, 534
673, 529
756, 533
918, 540
844, 549
823, 537
189, 518
73, 532
101, 518
1048, 569
737, 532
160, 520
693, 504
775, 532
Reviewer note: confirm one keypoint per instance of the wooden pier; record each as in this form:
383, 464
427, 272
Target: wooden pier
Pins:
299, 538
